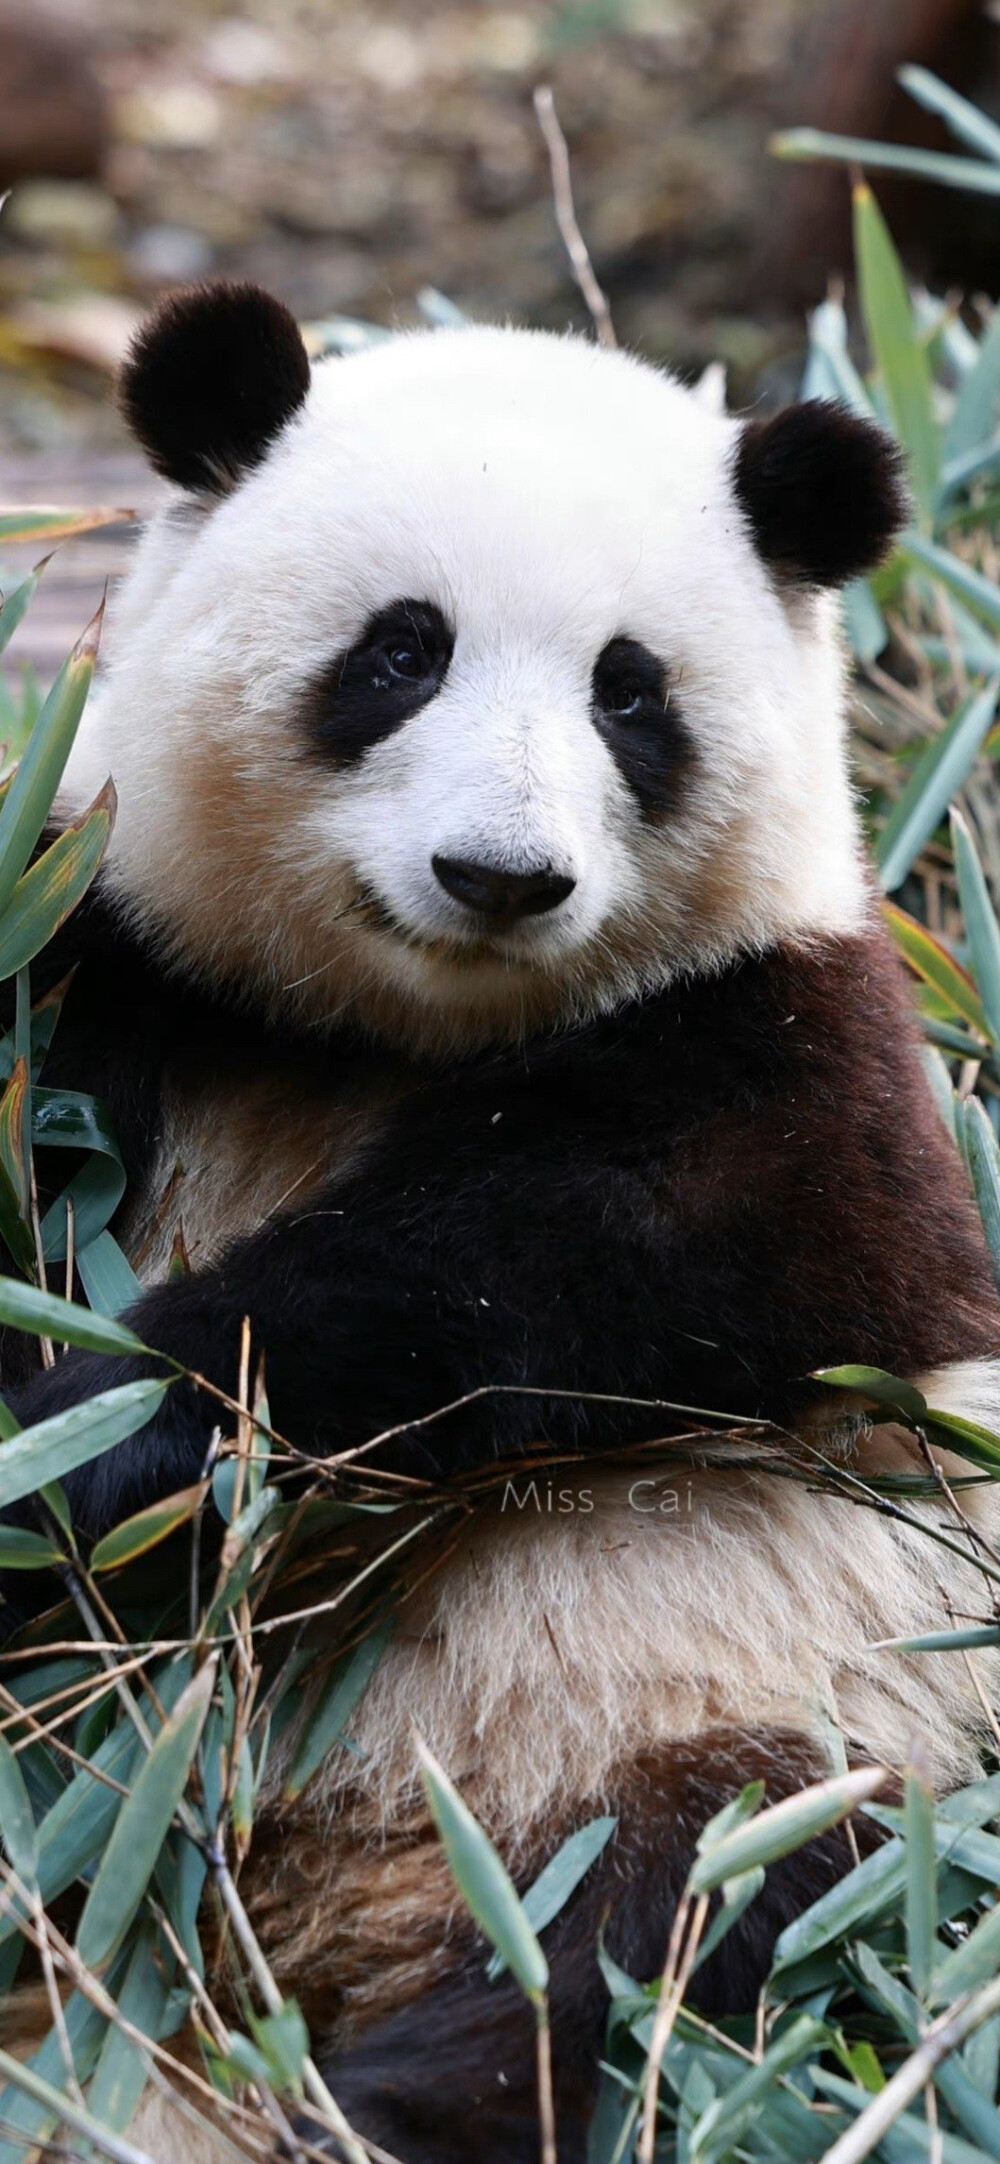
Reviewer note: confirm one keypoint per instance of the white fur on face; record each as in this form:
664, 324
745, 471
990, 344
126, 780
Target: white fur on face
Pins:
547, 497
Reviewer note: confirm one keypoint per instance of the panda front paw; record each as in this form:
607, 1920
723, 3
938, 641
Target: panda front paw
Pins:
167, 1452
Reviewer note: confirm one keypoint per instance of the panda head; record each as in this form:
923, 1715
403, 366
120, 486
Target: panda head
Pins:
477, 681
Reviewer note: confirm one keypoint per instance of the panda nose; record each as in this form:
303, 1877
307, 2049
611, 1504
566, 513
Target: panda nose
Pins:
503, 896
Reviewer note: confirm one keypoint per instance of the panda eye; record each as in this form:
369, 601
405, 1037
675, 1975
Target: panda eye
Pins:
409, 662
625, 699
629, 684
397, 666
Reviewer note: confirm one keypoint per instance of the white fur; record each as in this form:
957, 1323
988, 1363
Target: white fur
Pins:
548, 496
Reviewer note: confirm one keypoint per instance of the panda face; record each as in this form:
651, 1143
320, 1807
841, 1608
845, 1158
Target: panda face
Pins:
472, 705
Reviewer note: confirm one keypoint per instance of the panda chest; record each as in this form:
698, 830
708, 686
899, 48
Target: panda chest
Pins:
236, 1149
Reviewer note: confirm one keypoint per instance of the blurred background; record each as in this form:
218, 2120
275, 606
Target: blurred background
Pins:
349, 154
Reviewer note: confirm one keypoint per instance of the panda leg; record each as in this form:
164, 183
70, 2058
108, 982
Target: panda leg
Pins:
456, 2069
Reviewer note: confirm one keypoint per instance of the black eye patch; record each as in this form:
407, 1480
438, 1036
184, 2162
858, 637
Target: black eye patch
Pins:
399, 663
636, 711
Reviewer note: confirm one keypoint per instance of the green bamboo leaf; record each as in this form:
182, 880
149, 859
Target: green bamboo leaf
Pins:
936, 966
899, 354
342, 1693
115, 2092
135, 1535
941, 166
20, 1550
57, 881
977, 1634
68, 1120
142, 1825
975, 409
981, 594
983, 1159
972, 1963
737, 1894
32, 2103
53, 1447
11, 1134
733, 1814
559, 1878
785, 1827
939, 773
17, 1820
483, 1882
876, 1385
719, 2130
109, 1280
29, 798
921, 1879
13, 1186
965, 1437
76, 1828
961, 118
981, 927
17, 602
35, 523
46, 1315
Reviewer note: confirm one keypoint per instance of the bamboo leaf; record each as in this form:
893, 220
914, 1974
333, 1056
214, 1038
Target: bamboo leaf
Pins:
142, 1825
981, 927
37, 523
147, 1528
120, 2074
921, 1879
737, 1894
964, 120
559, 1878
22, 1550
17, 1820
53, 1447
876, 1385
936, 966
343, 1692
46, 1315
938, 775
941, 166
13, 1185
899, 354
965, 1437
983, 1159
785, 1827
978, 397
972, 1963
29, 798
482, 1880
17, 602
50, 891
109, 1280
981, 595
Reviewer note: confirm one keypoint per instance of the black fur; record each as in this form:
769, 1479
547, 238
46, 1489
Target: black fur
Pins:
466, 2046
366, 694
691, 1201
210, 381
636, 712
823, 491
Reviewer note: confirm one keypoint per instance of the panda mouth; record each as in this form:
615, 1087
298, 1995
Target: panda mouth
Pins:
505, 944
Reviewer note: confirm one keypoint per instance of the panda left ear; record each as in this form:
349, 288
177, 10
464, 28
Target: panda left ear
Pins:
823, 491
210, 380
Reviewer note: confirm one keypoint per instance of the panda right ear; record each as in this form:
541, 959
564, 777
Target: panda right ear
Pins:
823, 492
210, 381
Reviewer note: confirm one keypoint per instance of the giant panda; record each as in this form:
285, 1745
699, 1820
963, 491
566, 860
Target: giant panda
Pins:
486, 973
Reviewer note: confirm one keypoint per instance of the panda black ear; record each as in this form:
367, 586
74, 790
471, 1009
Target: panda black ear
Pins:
210, 380
823, 491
